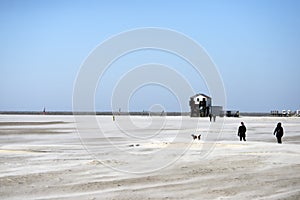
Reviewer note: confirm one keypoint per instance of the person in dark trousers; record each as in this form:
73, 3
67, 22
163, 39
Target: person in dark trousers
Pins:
210, 116
242, 132
278, 132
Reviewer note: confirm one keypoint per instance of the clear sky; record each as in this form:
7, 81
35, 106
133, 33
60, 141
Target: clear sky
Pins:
254, 44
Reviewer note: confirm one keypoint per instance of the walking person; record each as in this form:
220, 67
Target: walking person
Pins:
242, 132
278, 132
210, 116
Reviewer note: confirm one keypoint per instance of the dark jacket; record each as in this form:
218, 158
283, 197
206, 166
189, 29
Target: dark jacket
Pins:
242, 130
278, 131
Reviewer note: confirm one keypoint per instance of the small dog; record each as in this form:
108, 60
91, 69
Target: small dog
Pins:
196, 137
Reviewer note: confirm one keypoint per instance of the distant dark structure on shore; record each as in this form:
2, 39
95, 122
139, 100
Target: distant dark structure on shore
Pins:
230, 113
285, 113
201, 106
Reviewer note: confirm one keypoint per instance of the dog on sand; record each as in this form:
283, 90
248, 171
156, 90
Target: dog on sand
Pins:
195, 137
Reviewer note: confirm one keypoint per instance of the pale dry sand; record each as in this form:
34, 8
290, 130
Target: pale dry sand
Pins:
42, 157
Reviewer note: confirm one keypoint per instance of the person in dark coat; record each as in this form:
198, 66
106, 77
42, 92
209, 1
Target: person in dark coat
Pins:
278, 132
242, 132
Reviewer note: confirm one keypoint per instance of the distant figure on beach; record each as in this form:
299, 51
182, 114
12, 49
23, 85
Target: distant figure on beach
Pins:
242, 132
44, 111
210, 116
214, 116
278, 132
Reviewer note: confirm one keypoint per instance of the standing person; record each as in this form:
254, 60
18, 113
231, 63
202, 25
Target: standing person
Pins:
279, 132
210, 116
242, 132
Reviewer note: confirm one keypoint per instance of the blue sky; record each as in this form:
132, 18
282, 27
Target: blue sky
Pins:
254, 44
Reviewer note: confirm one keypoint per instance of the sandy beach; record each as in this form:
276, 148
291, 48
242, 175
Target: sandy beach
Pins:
52, 157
